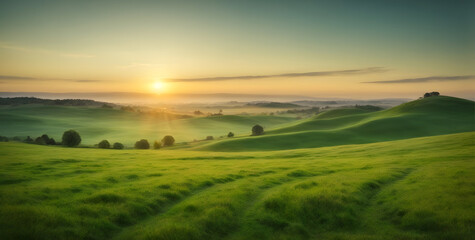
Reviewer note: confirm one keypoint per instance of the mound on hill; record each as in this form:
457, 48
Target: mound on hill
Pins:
423, 117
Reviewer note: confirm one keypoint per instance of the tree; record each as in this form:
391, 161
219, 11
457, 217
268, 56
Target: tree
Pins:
257, 130
45, 138
118, 145
157, 145
40, 141
142, 144
28, 139
209, 138
71, 138
168, 141
51, 141
230, 134
431, 94
104, 144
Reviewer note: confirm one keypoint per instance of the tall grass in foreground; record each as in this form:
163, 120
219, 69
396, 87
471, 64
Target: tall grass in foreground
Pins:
409, 189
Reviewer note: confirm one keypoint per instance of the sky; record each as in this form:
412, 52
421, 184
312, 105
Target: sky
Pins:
351, 49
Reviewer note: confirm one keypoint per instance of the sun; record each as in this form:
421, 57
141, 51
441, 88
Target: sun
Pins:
158, 86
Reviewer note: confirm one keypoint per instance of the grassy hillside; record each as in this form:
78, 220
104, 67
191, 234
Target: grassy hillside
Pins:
424, 117
419, 188
96, 124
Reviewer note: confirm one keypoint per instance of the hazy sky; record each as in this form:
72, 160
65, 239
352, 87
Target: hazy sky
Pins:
315, 48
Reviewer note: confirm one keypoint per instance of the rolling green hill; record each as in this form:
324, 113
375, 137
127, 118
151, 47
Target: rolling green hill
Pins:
411, 189
95, 124
425, 117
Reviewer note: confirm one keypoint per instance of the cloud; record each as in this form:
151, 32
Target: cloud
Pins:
85, 80
288, 75
43, 51
8, 78
140, 65
5, 77
428, 79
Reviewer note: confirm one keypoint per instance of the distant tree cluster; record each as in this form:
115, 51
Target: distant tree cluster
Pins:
431, 94
42, 140
305, 111
70, 138
273, 105
45, 140
166, 141
105, 144
368, 107
7, 139
64, 102
127, 108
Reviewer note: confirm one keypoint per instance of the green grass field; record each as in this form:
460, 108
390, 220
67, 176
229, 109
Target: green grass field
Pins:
96, 124
424, 117
403, 173
420, 188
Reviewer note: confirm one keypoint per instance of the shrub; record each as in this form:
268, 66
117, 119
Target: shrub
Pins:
104, 144
45, 138
3, 139
142, 144
118, 145
40, 141
257, 130
28, 139
157, 145
431, 94
71, 138
230, 134
209, 138
51, 141
168, 141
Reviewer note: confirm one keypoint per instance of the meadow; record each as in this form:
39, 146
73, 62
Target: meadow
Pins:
402, 173
96, 124
419, 188
423, 117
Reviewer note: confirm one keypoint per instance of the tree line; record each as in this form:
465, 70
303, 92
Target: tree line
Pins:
71, 138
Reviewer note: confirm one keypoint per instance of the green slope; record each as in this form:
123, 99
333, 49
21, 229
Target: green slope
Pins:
424, 117
96, 124
411, 189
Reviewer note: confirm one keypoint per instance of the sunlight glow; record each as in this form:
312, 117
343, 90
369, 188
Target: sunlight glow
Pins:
158, 86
